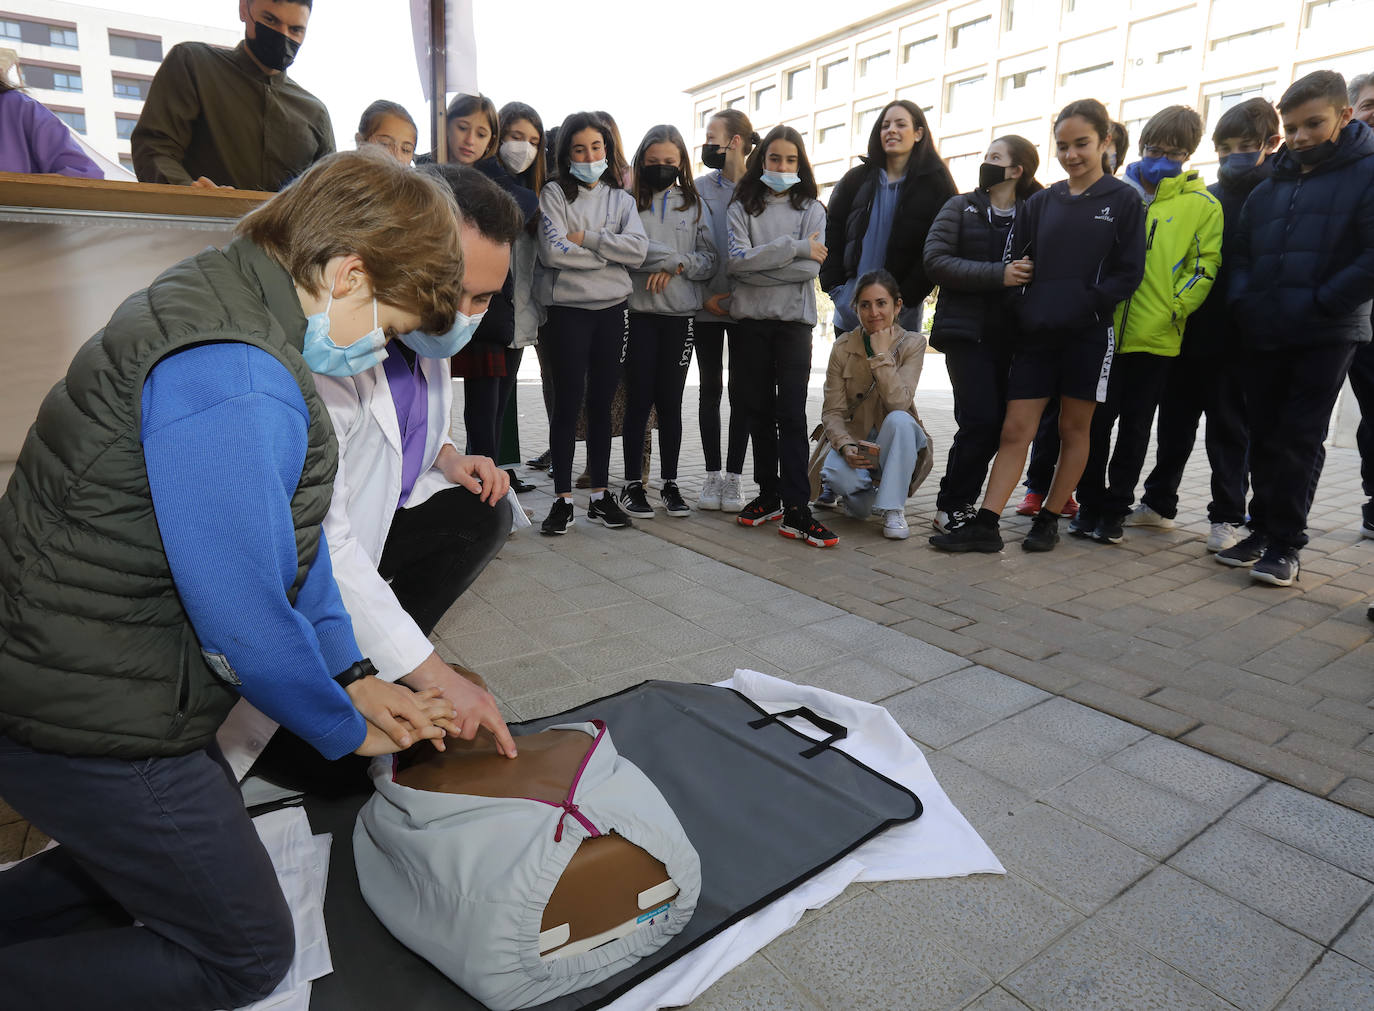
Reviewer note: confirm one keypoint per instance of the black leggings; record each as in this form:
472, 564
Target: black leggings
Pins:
711, 341
586, 349
777, 361
656, 362
484, 402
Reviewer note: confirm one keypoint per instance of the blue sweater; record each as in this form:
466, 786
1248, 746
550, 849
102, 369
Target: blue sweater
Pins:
224, 439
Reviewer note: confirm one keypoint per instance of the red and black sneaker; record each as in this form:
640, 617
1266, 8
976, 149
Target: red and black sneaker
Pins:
759, 511
800, 525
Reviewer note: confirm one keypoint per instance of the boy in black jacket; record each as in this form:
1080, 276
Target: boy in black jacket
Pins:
1302, 283
1204, 380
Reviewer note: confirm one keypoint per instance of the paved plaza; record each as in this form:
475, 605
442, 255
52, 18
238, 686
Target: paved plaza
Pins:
1175, 766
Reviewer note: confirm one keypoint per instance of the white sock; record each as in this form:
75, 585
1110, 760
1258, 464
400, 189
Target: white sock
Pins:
713, 473
597, 496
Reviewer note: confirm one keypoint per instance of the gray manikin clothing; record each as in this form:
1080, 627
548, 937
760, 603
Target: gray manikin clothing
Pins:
463, 880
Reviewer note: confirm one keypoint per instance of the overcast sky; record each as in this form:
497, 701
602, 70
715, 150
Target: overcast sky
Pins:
632, 58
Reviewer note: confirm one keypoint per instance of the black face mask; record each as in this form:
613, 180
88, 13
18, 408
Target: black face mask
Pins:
658, 177
713, 156
990, 175
273, 49
1319, 153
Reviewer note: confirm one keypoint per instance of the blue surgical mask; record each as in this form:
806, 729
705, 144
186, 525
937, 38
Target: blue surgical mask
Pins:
1238, 165
780, 182
1155, 170
322, 355
588, 171
445, 345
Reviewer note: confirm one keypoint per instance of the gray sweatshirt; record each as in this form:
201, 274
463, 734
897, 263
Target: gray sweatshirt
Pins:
677, 239
770, 260
593, 275
715, 191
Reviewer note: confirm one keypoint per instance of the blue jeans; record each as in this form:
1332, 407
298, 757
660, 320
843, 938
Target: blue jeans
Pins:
900, 442
164, 841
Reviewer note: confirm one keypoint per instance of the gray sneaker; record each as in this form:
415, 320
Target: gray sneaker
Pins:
1245, 553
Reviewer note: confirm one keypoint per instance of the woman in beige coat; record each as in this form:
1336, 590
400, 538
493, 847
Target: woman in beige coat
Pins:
873, 451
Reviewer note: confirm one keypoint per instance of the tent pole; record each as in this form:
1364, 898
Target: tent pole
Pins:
438, 81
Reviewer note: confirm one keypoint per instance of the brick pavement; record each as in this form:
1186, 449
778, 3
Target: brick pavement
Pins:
1152, 630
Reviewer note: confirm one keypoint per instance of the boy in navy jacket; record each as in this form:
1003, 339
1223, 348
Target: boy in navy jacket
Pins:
1301, 288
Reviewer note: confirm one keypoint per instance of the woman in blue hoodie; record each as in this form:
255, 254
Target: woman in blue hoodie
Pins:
1083, 240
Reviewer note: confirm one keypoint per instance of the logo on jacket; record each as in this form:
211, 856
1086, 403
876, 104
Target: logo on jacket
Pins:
970, 209
1105, 214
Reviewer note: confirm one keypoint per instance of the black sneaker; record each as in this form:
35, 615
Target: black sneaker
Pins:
1367, 514
635, 502
800, 525
759, 512
559, 519
673, 503
945, 521
1109, 530
971, 536
606, 511
1277, 566
1084, 524
541, 462
1044, 532
517, 485
1244, 554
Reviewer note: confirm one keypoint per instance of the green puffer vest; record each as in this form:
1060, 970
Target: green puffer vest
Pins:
97, 655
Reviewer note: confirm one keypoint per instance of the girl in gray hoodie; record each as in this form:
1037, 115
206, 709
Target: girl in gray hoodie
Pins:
774, 224
668, 291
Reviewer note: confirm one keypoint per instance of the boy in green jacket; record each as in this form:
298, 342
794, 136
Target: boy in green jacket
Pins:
1182, 255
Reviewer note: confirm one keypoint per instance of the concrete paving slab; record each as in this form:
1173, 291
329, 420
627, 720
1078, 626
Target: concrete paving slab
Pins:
1334, 982
989, 690
1202, 778
1020, 757
1144, 817
1357, 941
1339, 836
1083, 729
755, 986
935, 719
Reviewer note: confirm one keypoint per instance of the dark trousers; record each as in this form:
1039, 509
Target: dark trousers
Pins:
484, 401
541, 351
508, 428
586, 350
1289, 395
1107, 487
978, 375
1198, 386
1044, 453
1362, 385
436, 550
711, 341
776, 360
656, 363
164, 841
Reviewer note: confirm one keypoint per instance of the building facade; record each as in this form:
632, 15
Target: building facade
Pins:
986, 68
92, 67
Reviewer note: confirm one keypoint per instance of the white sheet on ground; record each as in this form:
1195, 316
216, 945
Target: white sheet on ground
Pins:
939, 844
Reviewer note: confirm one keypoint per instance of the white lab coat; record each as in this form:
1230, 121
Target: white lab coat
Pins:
366, 489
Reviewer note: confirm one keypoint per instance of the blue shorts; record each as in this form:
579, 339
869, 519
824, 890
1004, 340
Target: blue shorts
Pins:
1071, 365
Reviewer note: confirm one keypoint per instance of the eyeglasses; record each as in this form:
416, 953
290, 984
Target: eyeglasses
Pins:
1172, 153
396, 147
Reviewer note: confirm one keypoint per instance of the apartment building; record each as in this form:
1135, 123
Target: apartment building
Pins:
985, 68
91, 66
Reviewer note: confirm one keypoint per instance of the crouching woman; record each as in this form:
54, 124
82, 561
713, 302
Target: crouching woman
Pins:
870, 400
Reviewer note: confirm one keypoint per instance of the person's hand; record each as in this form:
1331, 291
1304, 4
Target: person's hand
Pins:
1018, 272
401, 714
476, 707
204, 183
856, 459
440, 711
882, 341
478, 474
818, 250
576, 237
715, 305
657, 282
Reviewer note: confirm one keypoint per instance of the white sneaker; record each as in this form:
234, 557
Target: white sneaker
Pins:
1143, 516
710, 491
1223, 536
731, 495
894, 525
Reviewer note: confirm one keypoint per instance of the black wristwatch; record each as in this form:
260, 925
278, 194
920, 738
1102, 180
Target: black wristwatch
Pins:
363, 668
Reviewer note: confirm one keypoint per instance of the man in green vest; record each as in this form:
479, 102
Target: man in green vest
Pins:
161, 555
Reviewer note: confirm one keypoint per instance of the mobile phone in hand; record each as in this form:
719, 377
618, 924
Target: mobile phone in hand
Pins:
869, 451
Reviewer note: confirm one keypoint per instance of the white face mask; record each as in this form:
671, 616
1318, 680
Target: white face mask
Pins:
518, 155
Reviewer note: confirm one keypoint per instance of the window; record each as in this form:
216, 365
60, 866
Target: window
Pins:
1221, 101
765, 97
1241, 41
38, 33
865, 120
921, 49
703, 115
135, 48
73, 118
66, 81
835, 74
1015, 85
124, 125
962, 96
1334, 13
971, 33
799, 84
877, 65
127, 161
11, 30
136, 87
833, 132
1018, 14
1082, 77
51, 78
735, 102
1170, 56
63, 38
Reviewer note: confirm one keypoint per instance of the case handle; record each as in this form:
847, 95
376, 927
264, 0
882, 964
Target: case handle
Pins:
836, 731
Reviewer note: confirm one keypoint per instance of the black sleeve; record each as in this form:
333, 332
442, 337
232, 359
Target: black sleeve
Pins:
937, 189
1125, 264
1022, 239
944, 265
836, 222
